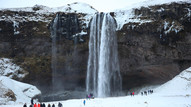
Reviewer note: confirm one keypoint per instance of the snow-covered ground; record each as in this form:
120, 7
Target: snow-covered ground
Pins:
175, 93
20, 91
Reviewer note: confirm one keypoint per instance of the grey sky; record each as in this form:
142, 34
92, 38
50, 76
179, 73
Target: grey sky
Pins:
100, 5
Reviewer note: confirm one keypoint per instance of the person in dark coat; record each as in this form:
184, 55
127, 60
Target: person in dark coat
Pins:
25, 105
32, 101
49, 105
31, 105
145, 92
53, 105
43, 105
142, 93
59, 104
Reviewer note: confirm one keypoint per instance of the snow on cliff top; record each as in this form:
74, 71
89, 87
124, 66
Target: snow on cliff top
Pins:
126, 15
147, 3
22, 91
77, 7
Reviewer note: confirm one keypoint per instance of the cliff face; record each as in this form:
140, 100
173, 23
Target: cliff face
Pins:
158, 46
154, 44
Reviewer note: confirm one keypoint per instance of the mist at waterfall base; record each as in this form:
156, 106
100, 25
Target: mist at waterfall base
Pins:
103, 73
64, 60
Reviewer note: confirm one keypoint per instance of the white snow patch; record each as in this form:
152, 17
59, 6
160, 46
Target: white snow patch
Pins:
179, 85
126, 15
165, 25
9, 69
148, 3
161, 9
23, 92
76, 7
15, 26
172, 27
189, 12
80, 34
40, 13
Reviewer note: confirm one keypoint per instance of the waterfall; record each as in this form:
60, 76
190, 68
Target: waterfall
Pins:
103, 73
54, 51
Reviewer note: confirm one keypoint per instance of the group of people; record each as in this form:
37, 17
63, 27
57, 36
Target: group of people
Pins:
132, 93
41, 104
147, 92
90, 96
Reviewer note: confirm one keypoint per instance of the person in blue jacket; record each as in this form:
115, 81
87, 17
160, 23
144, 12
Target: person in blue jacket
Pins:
84, 102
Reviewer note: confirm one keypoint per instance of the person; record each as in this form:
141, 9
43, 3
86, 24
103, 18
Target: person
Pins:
43, 105
151, 91
133, 93
53, 105
84, 102
35, 105
49, 105
148, 92
91, 95
59, 104
142, 93
25, 105
31, 105
145, 92
32, 101
38, 105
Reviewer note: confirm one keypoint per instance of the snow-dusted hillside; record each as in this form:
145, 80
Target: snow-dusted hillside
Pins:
11, 70
122, 16
16, 92
179, 85
76, 7
126, 15
39, 13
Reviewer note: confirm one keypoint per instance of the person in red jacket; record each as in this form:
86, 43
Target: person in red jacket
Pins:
35, 105
38, 105
133, 93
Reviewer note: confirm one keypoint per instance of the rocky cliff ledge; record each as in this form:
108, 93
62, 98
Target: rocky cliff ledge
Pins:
154, 44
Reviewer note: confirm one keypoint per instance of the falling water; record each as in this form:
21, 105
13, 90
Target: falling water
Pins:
103, 74
54, 51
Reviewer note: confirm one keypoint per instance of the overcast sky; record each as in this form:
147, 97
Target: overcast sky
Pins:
100, 5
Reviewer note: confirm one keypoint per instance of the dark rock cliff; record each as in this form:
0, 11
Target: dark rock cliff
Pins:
149, 53
154, 52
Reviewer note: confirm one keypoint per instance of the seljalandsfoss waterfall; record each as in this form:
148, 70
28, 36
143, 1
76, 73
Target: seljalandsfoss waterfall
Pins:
103, 72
